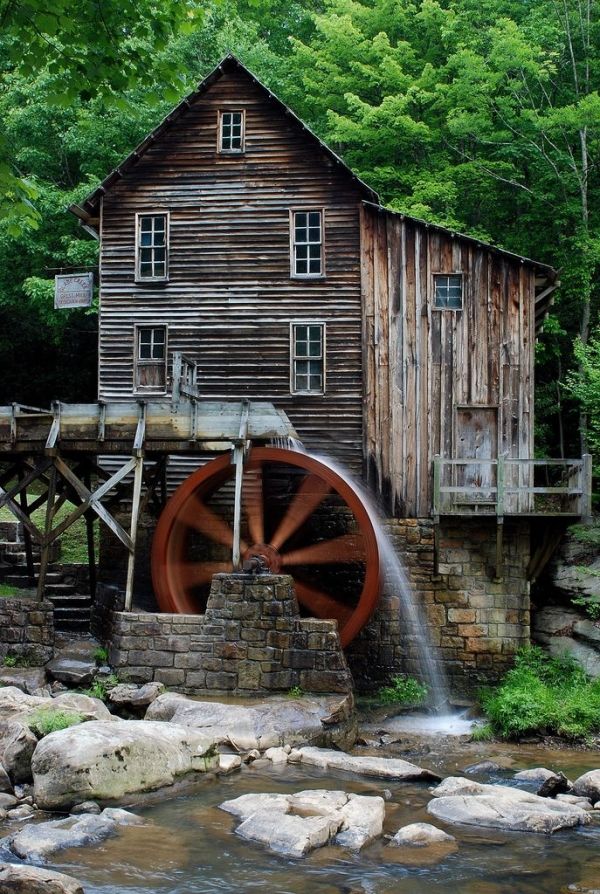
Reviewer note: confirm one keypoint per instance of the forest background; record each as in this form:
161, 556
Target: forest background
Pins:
481, 115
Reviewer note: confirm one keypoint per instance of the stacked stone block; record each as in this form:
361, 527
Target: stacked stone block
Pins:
26, 630
251, 640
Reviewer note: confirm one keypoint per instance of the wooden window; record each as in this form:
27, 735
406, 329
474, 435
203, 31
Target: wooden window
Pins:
231, 131
152, 247
307, 346
448, 291
307, 243
151, 358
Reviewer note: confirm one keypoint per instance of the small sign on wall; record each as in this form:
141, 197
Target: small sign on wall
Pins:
73, 290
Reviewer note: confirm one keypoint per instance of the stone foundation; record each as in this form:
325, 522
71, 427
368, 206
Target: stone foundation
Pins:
474, 623
251, 640
26, 630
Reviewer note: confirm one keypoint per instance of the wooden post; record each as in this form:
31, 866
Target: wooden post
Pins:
138, 478
91, 546
47, 531
238, 459
177, 373
26, 533
499, 575
437, 483
586, 488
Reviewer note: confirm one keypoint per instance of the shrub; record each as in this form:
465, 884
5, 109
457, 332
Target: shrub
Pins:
101, 655
101, 688
47, 720
296, 692
543, 695
403, 691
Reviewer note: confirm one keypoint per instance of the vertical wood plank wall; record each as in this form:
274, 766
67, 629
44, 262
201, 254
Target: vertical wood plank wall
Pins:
230, 299
422, 364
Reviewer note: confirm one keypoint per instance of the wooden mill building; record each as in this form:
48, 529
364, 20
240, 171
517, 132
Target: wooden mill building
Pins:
234, 237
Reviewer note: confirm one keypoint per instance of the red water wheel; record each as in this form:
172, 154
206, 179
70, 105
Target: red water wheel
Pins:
299, 515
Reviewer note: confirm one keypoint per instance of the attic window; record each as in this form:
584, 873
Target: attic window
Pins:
231, 132
152, 245
448, 291
307, 244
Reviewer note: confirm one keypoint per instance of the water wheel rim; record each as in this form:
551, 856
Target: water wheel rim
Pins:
166, 549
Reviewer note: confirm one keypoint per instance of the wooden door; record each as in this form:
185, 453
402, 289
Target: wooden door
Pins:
477, 439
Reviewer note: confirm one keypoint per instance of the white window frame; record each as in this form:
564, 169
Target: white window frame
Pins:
293, 213
138, 218
462, 290
294, 358
137, 361
222, 150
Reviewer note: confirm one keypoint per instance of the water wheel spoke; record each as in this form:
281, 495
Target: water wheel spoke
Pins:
341, 550
320, 604
196, 574
253, 501
309, 496
197, 515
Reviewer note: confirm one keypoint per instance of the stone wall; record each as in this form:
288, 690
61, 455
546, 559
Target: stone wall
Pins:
26, 630
251, 640
474, 623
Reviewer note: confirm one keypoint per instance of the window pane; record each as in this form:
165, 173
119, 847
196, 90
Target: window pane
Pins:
146, 224
314, 219
146, 269
448, 291
146, 239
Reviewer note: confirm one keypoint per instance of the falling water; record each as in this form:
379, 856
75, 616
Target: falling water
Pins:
396, 582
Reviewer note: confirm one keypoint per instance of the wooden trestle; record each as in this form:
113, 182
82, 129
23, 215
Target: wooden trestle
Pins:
59, 452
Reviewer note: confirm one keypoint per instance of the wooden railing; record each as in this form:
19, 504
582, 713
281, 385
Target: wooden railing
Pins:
185, 377
506, 486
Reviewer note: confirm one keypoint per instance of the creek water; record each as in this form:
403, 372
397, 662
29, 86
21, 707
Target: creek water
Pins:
189, 846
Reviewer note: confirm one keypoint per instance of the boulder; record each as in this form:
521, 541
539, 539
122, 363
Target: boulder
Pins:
5, 783
22, 812
557, 784
106, 760
229, 762
86, 807
588, 786
481, 767
420, 835
71, 671
463, 801
130, 695
14, 702
17, 879
271, 722
276, 755
537, 775
40, 841
28, 679
381, 767
584, 803
7, 801
296, 824
17, 744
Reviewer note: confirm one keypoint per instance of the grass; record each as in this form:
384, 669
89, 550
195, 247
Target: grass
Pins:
543, 695
46, 720
9, 590
73, 541
101, 688
403, 690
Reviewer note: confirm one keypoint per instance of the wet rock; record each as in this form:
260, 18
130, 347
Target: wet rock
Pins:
17, 879
384, 768
272, 722
24, 792
536, 775
276, 755
557, 784
463, 801
588, 785
15, 703
22, 812
420, 835
106, 760
580, 889
91, 708
296, 824
40, 841
482, 767
132, 696
584, 803
252, 755
17, 744
7, 801
71, 671
86, 807
3, 814
229, 762
28, 679
5, 783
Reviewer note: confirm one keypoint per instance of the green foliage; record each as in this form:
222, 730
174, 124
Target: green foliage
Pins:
584, 384
403, 690
543, 695
48, 720
73, 542
10, 661
8, 590
296, 692
101, 688
589, 533
484, 732
101, 655
590, 605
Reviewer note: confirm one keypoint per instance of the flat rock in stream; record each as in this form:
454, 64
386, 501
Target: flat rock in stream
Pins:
463, 801
106, 760
38, 842
295, 824
17, 879
271, 722
381, 767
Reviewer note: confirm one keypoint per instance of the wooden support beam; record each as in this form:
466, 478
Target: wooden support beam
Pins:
50, 510
238, 459
499, 570
586, 488
27, 534
54, 433
135, 507
91, 546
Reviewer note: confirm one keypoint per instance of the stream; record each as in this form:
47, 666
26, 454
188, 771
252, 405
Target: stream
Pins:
189, 847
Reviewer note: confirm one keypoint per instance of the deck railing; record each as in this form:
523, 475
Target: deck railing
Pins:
185, 377
506, 486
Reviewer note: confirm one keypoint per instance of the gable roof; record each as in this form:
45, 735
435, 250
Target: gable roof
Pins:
89, 210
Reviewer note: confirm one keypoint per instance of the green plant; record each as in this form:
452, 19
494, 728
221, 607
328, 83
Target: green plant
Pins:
482, 733
101, 655
403, 690
296, 692
543, 695
10, 661
590, 606
101, 688
46, 720
8, 590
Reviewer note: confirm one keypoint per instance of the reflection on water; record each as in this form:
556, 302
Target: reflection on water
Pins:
189, 846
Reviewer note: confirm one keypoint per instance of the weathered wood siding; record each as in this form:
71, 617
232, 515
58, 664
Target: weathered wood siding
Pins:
424, 367
230, 299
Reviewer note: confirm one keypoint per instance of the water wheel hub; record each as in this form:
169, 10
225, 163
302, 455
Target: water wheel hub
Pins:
269, 555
